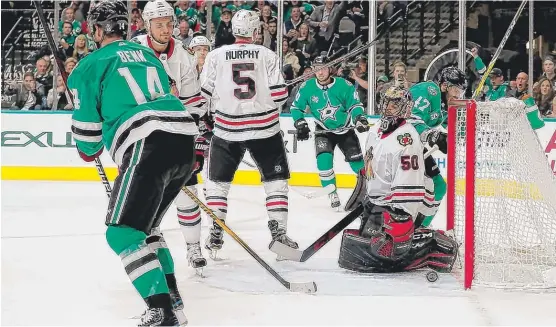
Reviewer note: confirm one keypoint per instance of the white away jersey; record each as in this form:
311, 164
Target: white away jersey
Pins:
181, 66
245, 86
396, 174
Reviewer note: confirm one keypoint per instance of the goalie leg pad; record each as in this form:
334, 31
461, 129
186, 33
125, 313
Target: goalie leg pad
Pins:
433, 249
189, 216
277, 201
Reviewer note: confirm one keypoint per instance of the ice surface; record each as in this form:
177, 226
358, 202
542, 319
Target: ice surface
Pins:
58, 270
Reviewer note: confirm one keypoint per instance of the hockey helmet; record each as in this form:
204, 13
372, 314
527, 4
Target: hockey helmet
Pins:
111, 16
453, 76
320, 61
199, 40
396, 104
156, 9
245, 22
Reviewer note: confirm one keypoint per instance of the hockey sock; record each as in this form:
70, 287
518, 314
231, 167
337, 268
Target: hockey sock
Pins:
356, 166
157, 244
325, 164
189, 216
277, 201
140, 262
439, 192
217, 198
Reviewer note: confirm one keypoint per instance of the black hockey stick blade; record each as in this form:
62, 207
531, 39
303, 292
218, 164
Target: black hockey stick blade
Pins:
302, 256
308, 287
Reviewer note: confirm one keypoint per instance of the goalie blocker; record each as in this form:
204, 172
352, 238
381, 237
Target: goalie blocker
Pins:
388, 241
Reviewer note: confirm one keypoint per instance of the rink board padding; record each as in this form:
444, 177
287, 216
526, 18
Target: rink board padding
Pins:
39, 145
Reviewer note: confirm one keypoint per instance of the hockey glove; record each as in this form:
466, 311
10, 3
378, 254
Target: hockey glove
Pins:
439, 138
201, 146
89, 158
206, 125
302, 129
361, 124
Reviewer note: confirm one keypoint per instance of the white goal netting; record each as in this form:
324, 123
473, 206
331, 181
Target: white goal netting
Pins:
514, 198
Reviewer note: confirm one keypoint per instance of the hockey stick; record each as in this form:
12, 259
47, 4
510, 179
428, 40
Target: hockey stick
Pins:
69, 95
308, 287
302, 256
338, 60
499, 50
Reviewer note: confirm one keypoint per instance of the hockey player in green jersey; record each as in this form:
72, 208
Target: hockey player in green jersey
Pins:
335, 105
495, 92
123, 102
428, 113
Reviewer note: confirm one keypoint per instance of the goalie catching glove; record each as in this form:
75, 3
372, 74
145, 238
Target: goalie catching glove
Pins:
302, 129
439, 138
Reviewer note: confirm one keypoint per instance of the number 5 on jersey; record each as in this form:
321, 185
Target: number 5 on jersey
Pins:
247, 89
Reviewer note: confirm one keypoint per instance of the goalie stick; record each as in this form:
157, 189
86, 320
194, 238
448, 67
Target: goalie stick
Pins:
69, 95
302, 256
307, 287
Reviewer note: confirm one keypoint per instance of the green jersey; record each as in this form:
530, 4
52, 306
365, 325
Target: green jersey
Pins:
121, 95
189, 14
427, 111
332, 105
502, 91
75, 27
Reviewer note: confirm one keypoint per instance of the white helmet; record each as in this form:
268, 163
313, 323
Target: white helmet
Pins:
199, 40
156, 9
245, 22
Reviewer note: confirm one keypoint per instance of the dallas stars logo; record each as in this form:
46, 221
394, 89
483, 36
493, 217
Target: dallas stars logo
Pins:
328, 112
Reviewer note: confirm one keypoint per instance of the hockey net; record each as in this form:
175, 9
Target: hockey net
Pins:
501, 200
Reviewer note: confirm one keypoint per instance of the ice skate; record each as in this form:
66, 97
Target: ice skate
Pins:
334, 201
214, 241
160, 317
279, 235
195, 258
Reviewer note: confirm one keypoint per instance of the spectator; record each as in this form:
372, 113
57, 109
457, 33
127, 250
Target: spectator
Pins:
135, 14
290, 58
259, 39
305, 8
140, 27
185, 32
520, 89
398, 74
43, 73
360, 76
224, 30
544, 97
305, 44
242, 4
29, 95
68, 39
266, 17
80, 49
68, 17
324, 21
497, 88
69, 65
185, 12
292, 24
270, 35
380, 82
548, 70
63, 102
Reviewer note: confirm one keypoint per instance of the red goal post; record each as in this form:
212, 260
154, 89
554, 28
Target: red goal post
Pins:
501, 196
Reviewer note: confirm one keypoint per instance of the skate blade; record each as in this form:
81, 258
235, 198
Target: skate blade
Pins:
308, 287
199, 272
182, 319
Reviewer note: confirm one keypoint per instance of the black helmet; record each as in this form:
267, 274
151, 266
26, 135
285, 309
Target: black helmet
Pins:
112, 16
453, 76
320, 60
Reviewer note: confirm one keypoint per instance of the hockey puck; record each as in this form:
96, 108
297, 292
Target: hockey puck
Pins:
432, 276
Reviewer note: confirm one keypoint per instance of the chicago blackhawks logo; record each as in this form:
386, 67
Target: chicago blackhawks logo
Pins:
405, 139
368, 160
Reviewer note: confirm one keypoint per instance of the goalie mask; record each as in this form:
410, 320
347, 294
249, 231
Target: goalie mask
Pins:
111, 17
395, 106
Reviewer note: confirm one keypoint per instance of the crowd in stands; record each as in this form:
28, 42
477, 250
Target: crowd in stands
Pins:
310, 28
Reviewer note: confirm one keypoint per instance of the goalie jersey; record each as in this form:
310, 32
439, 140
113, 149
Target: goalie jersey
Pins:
244, 83
395, 170
181, 66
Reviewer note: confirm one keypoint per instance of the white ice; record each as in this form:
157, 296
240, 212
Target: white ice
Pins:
58, 270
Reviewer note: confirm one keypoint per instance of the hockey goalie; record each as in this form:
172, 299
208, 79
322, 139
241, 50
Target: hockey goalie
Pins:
399, 195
